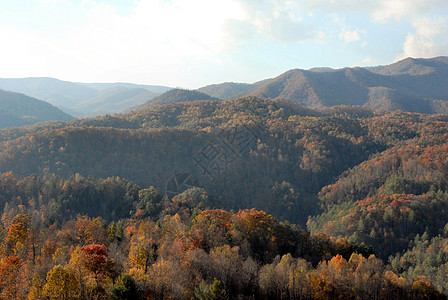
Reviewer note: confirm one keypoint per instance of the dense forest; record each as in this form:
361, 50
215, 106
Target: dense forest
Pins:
241, 199
142, 244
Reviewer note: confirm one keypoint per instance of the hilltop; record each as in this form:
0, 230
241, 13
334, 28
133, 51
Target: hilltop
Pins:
175, 96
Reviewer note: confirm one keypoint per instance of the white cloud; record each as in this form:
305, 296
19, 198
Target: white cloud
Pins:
379, 10
386, 10
349, 36
163, 38
168, 34
280, 21
340, 5
155, 39
321, 38
429, 39
368, 61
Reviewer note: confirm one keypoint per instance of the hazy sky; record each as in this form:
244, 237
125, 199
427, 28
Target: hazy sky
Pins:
192, 43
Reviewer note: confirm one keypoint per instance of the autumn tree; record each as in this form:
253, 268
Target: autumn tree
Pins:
18, 233
10, 282
61, 284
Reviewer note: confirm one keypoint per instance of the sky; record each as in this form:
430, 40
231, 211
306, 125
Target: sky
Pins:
193, 43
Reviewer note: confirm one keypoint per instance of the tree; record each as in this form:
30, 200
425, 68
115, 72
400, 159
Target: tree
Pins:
61, 284
18, 233
91, 265
149, 202
94, 258
9, 277
214, 291
217, 291
125, 288
226, 262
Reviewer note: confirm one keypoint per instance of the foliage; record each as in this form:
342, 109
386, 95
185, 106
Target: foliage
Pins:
364, 183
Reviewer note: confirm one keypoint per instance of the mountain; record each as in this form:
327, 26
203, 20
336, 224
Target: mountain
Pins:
389, 199
18, 110
321, 69
114, 100
156, 89
83, 99
176, 96
244, 152
62, 94
254, 153
226, 89
369, 181
415, 67
413, 85
194, 198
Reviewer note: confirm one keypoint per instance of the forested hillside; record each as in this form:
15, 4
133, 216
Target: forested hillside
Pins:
143, 245
167, 201
18, 110
275, 155
175, 96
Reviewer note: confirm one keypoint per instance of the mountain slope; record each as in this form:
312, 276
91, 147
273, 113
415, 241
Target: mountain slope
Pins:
176, 96
412, 66
252, 152
156, 89
255, 154
226, 90
83, 99
18, 110
415, 85
60, 93
114, 100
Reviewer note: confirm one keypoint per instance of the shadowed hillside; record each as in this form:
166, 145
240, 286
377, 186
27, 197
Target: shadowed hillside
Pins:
18, 110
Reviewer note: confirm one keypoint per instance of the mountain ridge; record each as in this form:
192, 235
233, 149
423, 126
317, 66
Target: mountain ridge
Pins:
411, 84
81, 99
17, 110
414, 85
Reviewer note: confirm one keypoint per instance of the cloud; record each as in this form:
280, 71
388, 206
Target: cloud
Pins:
350, 36
429, 39
165, 39
387, 10
279, 21
175, 31
379, 10
368, 61
154, 37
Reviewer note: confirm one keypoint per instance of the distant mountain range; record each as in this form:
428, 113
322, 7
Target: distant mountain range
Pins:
414, 85
18, 110
83, 99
